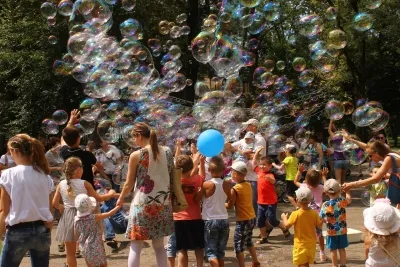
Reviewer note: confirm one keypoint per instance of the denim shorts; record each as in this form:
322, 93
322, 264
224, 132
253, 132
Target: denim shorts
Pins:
341, 164
216, 234
267, 213
337, 242
243, 235
171, 246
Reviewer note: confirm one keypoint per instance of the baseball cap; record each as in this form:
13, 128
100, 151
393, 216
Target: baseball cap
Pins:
304, 194
250, 135
251, 122
332, 186
239, 166
84, 205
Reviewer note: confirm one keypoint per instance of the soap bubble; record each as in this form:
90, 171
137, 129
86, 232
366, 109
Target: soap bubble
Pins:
131, 28
337, 39
310, 25
48, 10
88, 126
181, 18
269, 65
108, 131
52, 39
362, 22
85, 6
65, 7
202, 47
356, 156
60, 117
280, 65
250, 3
306, 77
381, 122
372, 4
334, 110
253, 44
331, 13
361, 102
272, 11
49, 126
128, 5
259, 23
374, 104
163, 27
127, 136
365, 115
201, 88
225, 17
302, 121
299, 64
185, 30
348, 107
90, 109
338, 142
246, 21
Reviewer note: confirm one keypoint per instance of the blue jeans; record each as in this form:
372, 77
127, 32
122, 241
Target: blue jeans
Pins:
254, 188
33, 238
117, 223
216, 234
171, 246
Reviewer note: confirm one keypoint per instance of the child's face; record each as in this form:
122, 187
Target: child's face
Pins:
249, 140
236, 176
265, 166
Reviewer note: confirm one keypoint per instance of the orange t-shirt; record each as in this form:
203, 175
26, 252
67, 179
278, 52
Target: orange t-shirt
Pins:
266, 190
190, 187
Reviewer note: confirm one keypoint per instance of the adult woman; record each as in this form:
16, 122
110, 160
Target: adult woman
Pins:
315, 150
150, 216
378, 152
28, 220
54, 159
341, 164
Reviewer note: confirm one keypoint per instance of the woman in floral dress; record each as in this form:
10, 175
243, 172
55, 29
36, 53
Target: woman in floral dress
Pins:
150, 216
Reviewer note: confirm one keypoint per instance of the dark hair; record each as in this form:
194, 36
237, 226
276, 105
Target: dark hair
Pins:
313, 177
70, 135
268, 160
379, 148
31, 148
292, 150
184, 162
216, 165
313, 136
53, 140
144, 130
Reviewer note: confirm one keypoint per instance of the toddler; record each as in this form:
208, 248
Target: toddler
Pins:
248, 146
378, 190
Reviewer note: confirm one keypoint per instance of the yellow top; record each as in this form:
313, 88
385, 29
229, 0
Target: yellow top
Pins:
304, 222
291, 167
244, 204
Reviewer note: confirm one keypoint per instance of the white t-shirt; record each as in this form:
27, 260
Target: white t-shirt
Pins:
29, 191
9, 162
258, 142
77, 186
109, 158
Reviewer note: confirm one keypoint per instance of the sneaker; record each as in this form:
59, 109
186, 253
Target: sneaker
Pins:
322, 256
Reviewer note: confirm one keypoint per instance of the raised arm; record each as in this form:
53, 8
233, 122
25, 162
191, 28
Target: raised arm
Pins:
256, 156
73, 119
105, 215
330, 130
324, 173
300, 170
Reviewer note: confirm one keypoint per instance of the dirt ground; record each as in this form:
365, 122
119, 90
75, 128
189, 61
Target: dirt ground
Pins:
277, 253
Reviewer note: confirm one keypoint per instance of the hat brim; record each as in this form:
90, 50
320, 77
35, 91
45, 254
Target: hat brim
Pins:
369, 223
239, 171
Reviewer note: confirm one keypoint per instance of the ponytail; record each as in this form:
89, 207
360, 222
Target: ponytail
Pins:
154, 144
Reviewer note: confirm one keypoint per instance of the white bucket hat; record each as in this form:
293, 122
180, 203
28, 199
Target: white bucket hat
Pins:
382, 219
84, 205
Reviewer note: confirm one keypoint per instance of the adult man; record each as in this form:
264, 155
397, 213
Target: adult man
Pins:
111, 158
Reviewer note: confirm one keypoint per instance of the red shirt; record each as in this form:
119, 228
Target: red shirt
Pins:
190, 187
266, 190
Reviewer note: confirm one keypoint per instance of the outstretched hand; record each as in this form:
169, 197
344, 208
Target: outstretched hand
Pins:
74, 117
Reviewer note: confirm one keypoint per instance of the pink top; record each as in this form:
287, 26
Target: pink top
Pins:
316, 202
190, 187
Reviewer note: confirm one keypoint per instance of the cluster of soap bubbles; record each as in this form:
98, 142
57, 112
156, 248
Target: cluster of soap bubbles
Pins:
50, 126
174, 29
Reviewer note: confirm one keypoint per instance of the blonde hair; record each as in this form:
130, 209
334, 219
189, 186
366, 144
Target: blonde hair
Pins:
69, 168
386, 241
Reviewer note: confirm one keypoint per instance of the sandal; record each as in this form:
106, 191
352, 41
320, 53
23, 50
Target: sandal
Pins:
255, 264
287, 234
112, 243
262, 241
61, 248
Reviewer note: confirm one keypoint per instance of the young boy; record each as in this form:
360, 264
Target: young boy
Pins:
241, 198
305, 221
216, 224
290, 164
333, 212
267, 198
189, 227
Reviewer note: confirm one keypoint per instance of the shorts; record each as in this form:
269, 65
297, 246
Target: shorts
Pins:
216, 235
304, 255
267, 213
189, 234
291, 188
243, 235
341, 164
337, 242
171, 246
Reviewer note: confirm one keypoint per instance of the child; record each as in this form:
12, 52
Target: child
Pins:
333, 212
313, 182
241, 198
189, 227
305, 221
88, 231
267, 198
247, 146
290, 164
214, 214
378, 190
382, 241
67, 190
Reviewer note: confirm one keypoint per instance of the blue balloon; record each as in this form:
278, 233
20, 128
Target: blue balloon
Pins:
210, 143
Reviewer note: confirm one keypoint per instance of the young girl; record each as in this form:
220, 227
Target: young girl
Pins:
67, 190
382, 241
313, 182
378, 190
89, 232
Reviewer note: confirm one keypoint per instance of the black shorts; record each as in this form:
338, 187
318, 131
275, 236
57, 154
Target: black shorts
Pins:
291, 188
189, 234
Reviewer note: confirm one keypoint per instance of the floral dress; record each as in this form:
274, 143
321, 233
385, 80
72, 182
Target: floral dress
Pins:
150, 215
90, 240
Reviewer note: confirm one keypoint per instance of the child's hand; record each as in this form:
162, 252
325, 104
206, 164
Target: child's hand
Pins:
202, 159
112, 192
301, 167
284, 216
259, 149
324, 171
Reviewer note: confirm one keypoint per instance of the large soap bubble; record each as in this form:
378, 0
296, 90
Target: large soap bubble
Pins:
362, 22
202, 46
337, 39
49, 126
310, 25
60, 117
365, 115
334, 110
108, 131
90, 109
338, 142
381, 122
